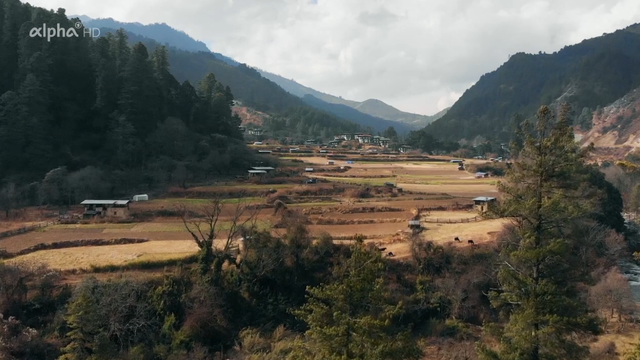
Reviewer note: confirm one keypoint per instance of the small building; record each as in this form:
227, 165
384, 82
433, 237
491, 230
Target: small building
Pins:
256, 132
483, 203
308, 169
257, 172
480, 175
456, 161
264, 151
347, 137
384, 142
364, 138
405, 148
263, 168
143, 197
106, 208
330, 162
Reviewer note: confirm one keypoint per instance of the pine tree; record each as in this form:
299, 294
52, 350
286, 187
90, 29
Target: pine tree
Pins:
539, 273
353, 317
139, 99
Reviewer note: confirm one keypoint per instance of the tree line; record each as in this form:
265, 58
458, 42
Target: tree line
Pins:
105, 111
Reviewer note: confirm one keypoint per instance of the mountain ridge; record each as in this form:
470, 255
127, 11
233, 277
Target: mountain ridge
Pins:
373, 107
591, 74
166, 34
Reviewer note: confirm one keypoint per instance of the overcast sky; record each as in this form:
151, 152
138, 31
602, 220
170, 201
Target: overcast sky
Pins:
417, 55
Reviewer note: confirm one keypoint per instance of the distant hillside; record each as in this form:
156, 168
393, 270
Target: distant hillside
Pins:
594, 73
256, 92
371, 107
356, 116
162, 33
616, 128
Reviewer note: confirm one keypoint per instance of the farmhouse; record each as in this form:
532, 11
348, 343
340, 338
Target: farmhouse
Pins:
481, 175
255, 132
405, 148
266, 169
257, 172
364, 138
483, 203
106, 208
345, 137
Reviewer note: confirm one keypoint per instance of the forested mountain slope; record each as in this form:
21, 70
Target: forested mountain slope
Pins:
104, 114
164, 34
251, 88
591, 74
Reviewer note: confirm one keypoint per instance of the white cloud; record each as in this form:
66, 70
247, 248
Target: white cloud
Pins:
415, 54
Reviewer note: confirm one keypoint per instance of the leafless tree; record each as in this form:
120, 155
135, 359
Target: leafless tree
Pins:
205, 228
612, 295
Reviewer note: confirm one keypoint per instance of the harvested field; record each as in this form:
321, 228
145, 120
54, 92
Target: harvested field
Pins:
85, 257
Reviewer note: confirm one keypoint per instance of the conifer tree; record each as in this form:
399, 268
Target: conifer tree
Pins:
353, 317
544, 194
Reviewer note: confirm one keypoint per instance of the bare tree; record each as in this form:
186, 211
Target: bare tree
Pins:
612, 295
205, 228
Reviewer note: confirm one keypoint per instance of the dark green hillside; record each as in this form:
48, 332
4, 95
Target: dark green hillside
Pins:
95, 117
593, 73
254, 91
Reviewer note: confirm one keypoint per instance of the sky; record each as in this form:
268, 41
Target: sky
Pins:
417, 55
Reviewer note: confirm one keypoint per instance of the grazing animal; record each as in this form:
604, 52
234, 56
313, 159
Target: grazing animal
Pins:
457, 239
278, 205
470, 242
382, 249
390, 254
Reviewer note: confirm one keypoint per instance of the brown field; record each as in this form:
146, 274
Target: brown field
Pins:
87, 256
425, 184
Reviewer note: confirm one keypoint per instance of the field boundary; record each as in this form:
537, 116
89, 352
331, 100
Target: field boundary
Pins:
452, 221
25, 229
70, 244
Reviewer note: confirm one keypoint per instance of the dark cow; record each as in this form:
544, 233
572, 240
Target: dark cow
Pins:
457, 239
470, 242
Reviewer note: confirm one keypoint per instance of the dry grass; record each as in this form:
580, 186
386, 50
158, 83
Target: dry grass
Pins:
85, 257
451, 215
479, 232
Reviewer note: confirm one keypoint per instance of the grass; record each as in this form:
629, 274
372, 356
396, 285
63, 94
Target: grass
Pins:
186, 201
119, 255
218, 188
327, 203
361, 181
92, 226
146, 263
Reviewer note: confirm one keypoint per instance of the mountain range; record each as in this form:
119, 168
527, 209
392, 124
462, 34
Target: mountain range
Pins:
372, 112
589, 76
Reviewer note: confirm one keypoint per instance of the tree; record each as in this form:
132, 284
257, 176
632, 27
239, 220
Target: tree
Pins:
390, 133
205, 227
634, 204
354, 317
539, 273
9, 198
612, 295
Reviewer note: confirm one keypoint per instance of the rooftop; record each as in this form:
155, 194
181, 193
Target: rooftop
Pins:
257, 172
484, 198
105, 202
262, 168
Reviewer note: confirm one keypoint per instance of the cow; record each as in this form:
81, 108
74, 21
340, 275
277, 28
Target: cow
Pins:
456, 239
470, 242
390, 254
